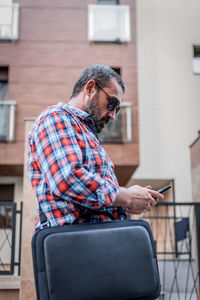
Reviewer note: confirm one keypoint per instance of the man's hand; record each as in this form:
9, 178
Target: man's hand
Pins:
137, 199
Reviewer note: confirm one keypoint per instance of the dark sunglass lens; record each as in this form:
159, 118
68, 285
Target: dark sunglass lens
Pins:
112, 105
117, 110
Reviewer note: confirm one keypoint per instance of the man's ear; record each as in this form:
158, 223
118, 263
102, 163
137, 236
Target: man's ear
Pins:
90, 87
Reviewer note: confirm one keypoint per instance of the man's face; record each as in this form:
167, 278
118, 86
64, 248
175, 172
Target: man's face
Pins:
94, 111
97, 106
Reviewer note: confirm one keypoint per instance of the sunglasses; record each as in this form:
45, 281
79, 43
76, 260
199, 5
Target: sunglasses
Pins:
113, 103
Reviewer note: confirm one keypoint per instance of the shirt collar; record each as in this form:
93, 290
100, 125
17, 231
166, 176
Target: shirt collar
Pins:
81, 114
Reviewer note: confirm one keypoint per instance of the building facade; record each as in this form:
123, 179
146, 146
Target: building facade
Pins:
44, 46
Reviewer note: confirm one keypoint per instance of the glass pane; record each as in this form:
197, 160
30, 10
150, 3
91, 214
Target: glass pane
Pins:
113, 132
6, 214
3, 122
3, 110
3, 90
5, 18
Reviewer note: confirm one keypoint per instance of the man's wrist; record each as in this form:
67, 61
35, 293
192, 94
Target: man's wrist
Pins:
122, 198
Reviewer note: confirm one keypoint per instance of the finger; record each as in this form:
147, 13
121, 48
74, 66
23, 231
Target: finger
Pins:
156, 195
149, 207
151, 200
134, 212
148, 187
130, 211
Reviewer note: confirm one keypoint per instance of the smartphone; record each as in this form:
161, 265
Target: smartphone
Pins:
165, 188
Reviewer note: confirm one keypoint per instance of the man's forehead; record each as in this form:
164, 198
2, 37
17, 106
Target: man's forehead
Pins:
116, 88
113, 82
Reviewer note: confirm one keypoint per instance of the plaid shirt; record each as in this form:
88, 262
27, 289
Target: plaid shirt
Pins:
68, 166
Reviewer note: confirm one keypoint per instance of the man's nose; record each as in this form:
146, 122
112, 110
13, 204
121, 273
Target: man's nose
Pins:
111, 114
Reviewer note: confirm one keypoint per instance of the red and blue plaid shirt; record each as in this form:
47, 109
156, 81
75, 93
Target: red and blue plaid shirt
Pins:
68, 167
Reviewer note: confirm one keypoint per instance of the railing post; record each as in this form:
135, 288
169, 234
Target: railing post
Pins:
129, 123
13, 237
197, 216
20, 238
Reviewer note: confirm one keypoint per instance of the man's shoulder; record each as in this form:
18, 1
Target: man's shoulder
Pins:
48, 116
57, 109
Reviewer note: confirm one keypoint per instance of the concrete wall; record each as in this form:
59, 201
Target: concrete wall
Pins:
195, 169
27, 290
169, 106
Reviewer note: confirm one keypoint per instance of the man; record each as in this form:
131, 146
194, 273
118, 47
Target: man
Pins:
69, 169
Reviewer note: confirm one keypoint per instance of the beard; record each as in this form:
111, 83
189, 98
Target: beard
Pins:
93, 110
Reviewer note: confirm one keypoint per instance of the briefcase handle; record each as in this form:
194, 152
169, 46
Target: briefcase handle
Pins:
87, 216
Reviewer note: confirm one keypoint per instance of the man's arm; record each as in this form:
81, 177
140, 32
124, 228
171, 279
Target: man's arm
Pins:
137, 199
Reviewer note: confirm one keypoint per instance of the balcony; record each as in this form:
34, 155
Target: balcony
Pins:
175, 227
119, 130
10, 238
115, 27
9, 22
7, 120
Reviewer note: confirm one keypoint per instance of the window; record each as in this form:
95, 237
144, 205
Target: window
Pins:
115, 27
196, 59
117, 70
196, 50
9, 20
6, 194
120, 129
7, 109
3, 97
3, 83
7, 228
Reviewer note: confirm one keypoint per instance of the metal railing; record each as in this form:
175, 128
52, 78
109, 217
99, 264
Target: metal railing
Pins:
10, 237
7, 120
119, 130
176, 229
9, 22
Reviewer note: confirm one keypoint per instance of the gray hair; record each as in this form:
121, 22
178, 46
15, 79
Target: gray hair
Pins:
102, 74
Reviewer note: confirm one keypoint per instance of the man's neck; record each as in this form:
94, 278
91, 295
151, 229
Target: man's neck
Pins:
78, 101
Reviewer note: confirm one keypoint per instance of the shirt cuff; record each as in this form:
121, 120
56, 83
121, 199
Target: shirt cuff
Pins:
107, 194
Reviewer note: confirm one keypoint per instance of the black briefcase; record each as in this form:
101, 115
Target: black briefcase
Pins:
106, 261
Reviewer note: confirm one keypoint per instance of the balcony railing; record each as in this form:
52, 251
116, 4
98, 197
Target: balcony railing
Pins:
176, 229
9, 22
10, 237
7, 120
119, 130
